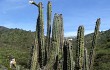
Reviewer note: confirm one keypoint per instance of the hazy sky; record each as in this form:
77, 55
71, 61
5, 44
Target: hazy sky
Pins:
20, 14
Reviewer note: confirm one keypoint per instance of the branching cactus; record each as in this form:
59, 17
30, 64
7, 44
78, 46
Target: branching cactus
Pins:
49, 15
80, 49
94, 43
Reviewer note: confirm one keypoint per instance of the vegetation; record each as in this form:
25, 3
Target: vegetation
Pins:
17, 43
90, 52
20, 47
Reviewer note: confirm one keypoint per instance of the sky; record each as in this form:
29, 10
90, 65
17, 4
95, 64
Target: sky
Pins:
20, 14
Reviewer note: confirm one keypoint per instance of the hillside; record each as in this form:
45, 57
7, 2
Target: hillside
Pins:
18, 42
102, 59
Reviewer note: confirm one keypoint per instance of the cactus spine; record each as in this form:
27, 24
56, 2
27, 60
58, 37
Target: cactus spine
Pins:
80, 49
94, 42
49, 10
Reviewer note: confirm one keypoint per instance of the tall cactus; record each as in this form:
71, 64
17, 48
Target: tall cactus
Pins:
61, 39
49, 14
55, 39
68, 63
67, 59
52, 59
80, 49
35, 49
94, 43
55, 34
86, 63
65, 55
72, 63
61, 32
40, 34
34, 61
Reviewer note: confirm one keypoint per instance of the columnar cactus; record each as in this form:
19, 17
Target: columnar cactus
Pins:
49, 12
34, 60
94, 42
86, 64
68, 63
40, 35
80, 49
65, 55
55, 40
54, 50
72, 63
55, 33
61, 32
35, 49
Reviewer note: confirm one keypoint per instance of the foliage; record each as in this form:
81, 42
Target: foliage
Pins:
17, 43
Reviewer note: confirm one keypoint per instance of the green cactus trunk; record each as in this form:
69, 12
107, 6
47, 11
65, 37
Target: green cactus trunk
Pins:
68, 63
86, 64
94, 43
55, 35
67, 58
61, 32
72, 63
40, 30
49, 15
55, 40
34, 58
35, 50
65, 55
52, 59
80, 49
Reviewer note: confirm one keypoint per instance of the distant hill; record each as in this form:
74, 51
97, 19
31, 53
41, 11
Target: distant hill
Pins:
102, 60
18, 42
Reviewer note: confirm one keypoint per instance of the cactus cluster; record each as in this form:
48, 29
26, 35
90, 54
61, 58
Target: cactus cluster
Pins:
52, 52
